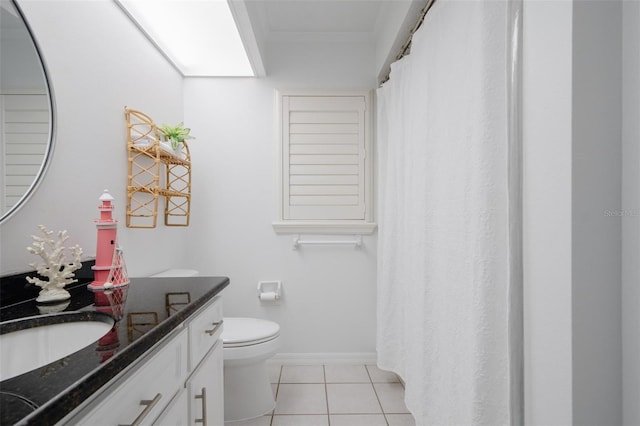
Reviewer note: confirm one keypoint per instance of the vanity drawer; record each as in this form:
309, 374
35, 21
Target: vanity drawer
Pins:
204, 330
143, 394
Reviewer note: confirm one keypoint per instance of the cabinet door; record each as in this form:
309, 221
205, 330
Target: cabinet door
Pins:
177, 413
206, 390
140, 396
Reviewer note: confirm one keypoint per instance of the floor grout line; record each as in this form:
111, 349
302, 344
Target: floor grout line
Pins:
377, 397
326, 393
273, 412
280, 374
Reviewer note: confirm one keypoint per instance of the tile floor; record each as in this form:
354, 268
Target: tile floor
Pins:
334, 395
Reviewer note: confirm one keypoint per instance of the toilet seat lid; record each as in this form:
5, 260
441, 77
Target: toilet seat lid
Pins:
248, 331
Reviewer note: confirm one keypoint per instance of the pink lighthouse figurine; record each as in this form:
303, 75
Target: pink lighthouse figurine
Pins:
109, 271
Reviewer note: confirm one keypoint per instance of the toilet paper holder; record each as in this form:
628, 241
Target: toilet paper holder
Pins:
269, 291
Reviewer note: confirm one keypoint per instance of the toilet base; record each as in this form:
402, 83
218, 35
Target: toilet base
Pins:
247, 391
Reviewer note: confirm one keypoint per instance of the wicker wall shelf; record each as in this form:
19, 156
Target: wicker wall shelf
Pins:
155, 171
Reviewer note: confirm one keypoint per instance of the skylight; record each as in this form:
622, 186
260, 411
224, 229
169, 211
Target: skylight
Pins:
199, 37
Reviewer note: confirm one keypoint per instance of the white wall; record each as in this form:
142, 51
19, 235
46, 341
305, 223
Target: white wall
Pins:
547, 133
631, 209
98, 62
581, 176
329, 292
596, 190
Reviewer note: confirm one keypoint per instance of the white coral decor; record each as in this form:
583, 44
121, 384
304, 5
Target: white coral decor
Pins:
54, 266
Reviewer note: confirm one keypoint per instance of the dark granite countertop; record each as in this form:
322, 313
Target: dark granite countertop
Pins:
45, 395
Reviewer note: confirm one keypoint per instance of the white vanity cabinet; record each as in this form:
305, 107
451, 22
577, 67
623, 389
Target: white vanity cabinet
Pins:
179, 383
205, 329
205, 386
176, 412
140, 396
205, 383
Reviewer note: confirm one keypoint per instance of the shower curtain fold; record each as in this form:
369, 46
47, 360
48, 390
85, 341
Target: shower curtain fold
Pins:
443, 213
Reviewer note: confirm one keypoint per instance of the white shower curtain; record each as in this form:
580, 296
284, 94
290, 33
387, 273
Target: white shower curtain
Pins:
444, 250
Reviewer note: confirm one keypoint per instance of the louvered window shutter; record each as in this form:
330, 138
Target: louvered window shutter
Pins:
25, 127
325, 165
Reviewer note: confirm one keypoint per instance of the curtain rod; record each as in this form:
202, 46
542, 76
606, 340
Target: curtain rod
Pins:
406, 47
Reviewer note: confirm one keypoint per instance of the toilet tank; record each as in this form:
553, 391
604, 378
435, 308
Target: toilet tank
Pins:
177, 273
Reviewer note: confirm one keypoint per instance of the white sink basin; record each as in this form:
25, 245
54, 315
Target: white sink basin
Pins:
34, 342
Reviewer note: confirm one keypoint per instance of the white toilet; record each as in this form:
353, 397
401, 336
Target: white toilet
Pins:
248, 343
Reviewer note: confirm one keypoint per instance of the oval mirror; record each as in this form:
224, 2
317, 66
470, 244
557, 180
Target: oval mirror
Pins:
26, 111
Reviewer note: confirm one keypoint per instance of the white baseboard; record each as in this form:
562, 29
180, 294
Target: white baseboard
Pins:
324, 358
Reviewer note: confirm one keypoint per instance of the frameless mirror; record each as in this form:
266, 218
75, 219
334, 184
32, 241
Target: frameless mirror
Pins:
26, 111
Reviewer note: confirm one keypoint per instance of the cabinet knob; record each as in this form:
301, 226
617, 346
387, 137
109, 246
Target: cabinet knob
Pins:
148, 406
203, 397
216, 325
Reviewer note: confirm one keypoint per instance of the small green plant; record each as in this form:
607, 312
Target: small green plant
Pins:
176, 134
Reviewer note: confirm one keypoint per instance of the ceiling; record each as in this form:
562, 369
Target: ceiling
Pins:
385, 24
287, 18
